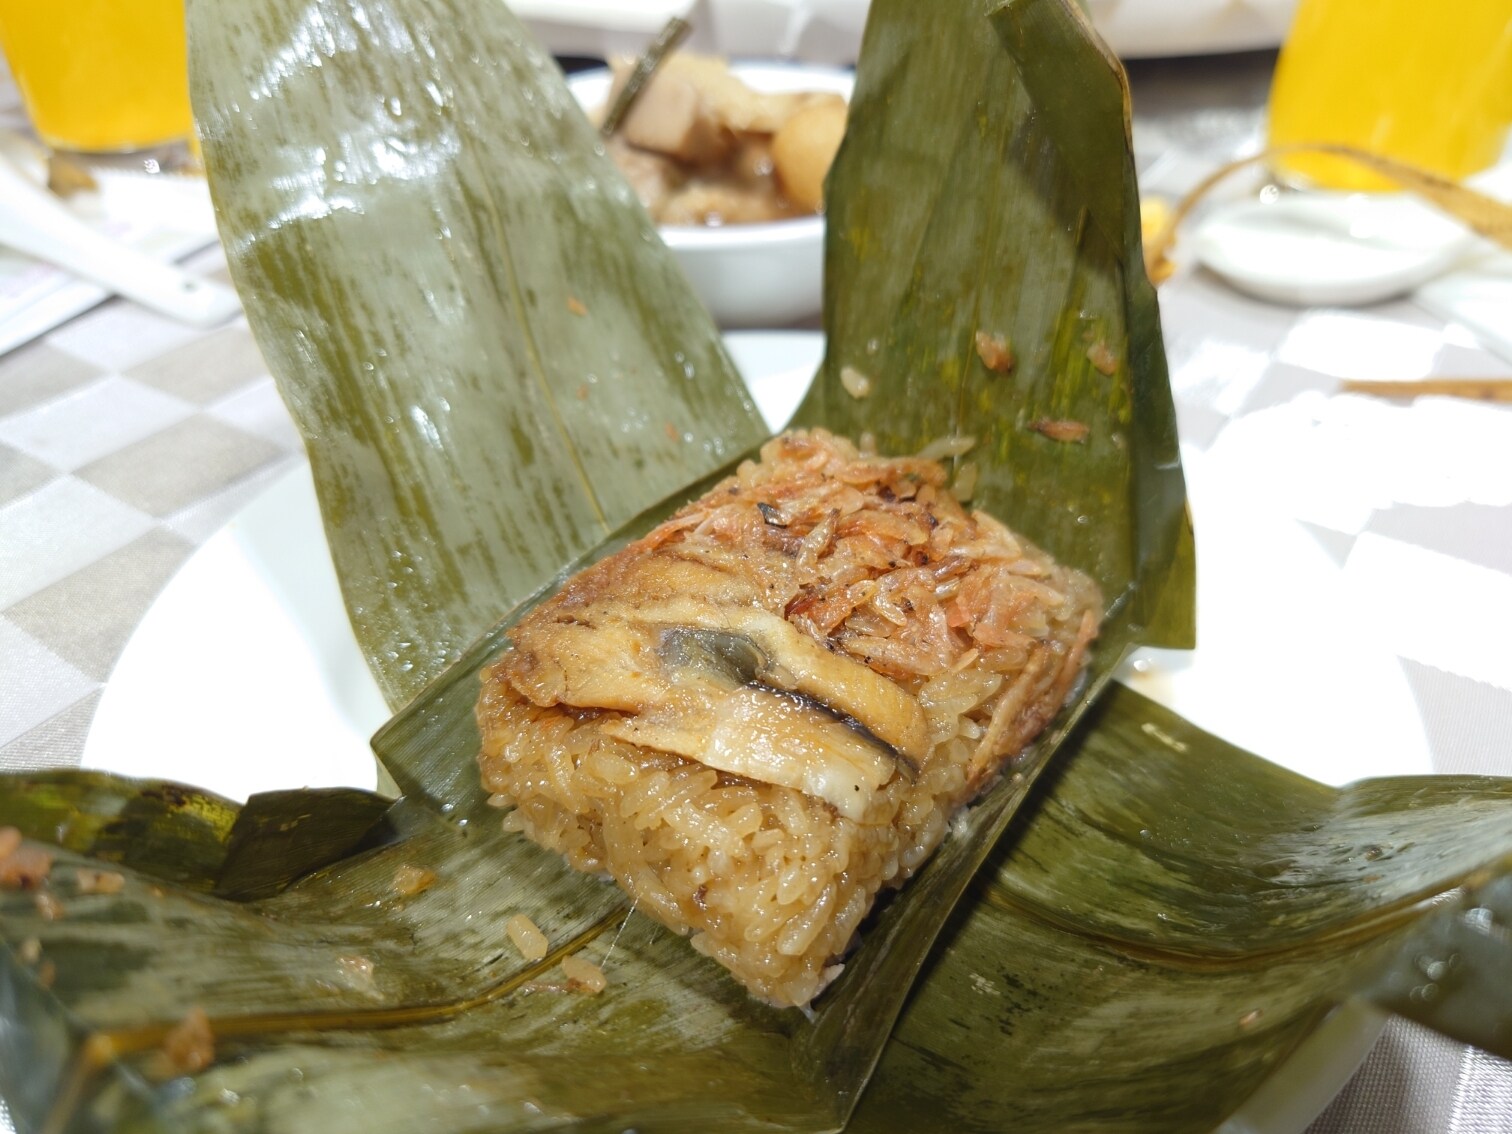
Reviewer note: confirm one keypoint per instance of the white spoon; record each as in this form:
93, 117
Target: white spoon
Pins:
1330, 249
36, 223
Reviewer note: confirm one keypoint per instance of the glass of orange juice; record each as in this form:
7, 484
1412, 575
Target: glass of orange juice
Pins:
1428, 84
100, 76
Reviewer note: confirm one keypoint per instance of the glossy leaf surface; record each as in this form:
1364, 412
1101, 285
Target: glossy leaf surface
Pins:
1106, 366
1162, 926
492, 358
1163, 885
1173, 917
985, 193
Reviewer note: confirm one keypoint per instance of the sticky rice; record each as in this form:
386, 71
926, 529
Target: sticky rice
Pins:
770, 707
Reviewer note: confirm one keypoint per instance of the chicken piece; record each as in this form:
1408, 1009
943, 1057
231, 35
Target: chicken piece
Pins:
655, 178
730, 101
671, 116
718, 201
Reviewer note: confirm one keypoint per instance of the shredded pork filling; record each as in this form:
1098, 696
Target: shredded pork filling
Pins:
768, 709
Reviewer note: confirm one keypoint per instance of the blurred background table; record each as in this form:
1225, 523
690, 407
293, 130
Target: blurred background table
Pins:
127, 440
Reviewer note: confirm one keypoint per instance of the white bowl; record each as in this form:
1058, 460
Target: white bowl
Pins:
749, 275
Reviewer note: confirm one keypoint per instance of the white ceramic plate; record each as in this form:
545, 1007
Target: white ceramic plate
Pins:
291, 703
749, 275
829, 31
288, 700
244, 676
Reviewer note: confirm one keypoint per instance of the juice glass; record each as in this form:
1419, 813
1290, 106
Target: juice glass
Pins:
1428, 84
100, 76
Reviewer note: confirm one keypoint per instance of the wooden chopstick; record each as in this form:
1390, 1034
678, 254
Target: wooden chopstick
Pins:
1478, 389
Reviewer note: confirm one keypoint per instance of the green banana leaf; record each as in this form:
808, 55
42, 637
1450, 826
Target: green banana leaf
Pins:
1126, 476
1173, 917
343, 1000
192, 837
984, 190
492, 359
1162, 926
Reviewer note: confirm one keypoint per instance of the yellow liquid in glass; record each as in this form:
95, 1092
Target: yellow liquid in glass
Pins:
100, 75
1429, 84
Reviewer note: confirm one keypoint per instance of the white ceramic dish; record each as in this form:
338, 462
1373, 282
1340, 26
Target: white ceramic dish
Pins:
244, 676
1330, 249
1142, 29
1346, 249
830, 30
749, 275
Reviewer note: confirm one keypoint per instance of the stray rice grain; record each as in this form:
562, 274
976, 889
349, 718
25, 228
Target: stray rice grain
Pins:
527, 937
356, 973
995, 351
410, 880
189, 1047
1071, 432
1102, 358
99, 881
951, 445
856, 384
21, 867
48, 907
966, 481
583, 975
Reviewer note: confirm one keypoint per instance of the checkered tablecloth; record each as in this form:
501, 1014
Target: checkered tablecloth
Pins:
126, 440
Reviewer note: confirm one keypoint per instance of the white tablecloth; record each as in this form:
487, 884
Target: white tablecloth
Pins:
126, 441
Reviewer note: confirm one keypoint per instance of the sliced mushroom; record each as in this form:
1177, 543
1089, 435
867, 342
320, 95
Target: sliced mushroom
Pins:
795, 662
772, 737
698, 668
